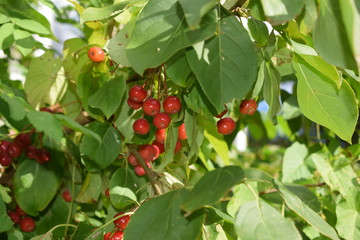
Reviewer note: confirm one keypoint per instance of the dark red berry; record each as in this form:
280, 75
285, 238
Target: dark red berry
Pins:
107, 193
15, 217
96, 54
248, 107
14, 150
160, 135
178, 146
23, 140
4, 145
147, 152
31, 152
5, 159
66, 195
107, 236
226, 126
122, 222
182, 132
27, 224
118, 235
141, 126
42, 156
134, 105
158, 145
19, 211
132, 160
161, 120
151, 107
172, 104
140, 171
157, 150
137, 94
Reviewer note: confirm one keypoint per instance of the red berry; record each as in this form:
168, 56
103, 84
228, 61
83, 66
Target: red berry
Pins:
46, 109
178, 146
161, 120
107, 236
42, 156
5, 159
96, 54
172, 104
27, 224
14, 150
151, 107
107, 193
134, 105
118, 235
19, 211
137, 94
4, 145
248, 107
66, 195
226, 126
147, 152
132, 160
160, 135
182, 132
140, 171
141, 126
23, 140
157, 150
160, 146
15, 217
31, 152
122, 222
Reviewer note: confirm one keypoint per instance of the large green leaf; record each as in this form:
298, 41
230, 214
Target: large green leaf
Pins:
163, 214
160, 31
95, 14
294, 167
99, 155
348, 221
47, 123
178, 69
329, 25
242, 194
90, 189
6, 35
225, 66
304, 211
322, 101
36, 182
109, 96
122, 188
212, 187
271, 89
16, 106
195, 10
260, 221
41, 78
280, 11
74, 58
24, 41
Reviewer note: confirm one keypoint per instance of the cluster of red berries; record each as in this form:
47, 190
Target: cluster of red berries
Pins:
227, 125
120, 225
18, 216
22, 142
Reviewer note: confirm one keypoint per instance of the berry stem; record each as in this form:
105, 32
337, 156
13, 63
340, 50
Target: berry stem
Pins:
72, 199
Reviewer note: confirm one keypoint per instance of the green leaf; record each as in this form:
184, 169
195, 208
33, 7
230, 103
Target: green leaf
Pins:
170, 144
348, 221
122, 188
280, 11
304, 211
24, 41
4, 19
42, 78
74, 63
96, 14
321, 101
271, 90
294, 167
178, 69
30, 25
16, 107
329, 25
242, 194
91, 188
167, 220
4, 193
195, 10
36, 182
99, 155
260, 221
15, 234
108, 97
47, 123
225, 66
160, 31
259, 31
212, 187
6, 35
5, 220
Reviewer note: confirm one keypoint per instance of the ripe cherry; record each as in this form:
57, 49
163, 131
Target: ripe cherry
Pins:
15, 217
118, 235
107, 193
4, 145
248, 107
160, 135
141, 126
66, 195
132, 160
23, 140
134, 105
137, 93
151, 107
147, 152
158, 145
14, 150
226, 126
27, 224
19, 211
5, 159
31, 152
172, 104
122, 222
140, 171
96, 54
161, 120
42, 156
182, 132
107, 236
178, 146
